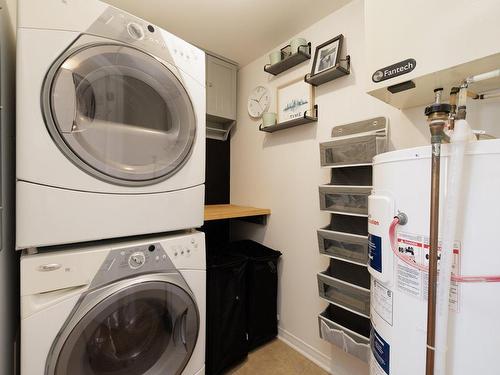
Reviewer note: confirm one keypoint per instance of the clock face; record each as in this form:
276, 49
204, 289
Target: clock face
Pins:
258, 101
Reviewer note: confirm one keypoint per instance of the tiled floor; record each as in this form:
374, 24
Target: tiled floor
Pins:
277, 358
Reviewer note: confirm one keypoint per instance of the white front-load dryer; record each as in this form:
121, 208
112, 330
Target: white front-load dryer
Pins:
110, 125
131, 307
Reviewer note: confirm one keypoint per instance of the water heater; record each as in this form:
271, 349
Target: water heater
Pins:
401, 183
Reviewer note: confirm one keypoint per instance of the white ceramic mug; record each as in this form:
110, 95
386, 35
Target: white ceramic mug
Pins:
268, 119
275, 57
296, 43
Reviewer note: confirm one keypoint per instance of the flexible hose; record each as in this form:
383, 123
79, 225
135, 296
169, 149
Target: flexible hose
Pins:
422, 267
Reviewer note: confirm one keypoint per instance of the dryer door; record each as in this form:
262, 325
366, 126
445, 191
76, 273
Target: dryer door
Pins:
119, 113
148, 328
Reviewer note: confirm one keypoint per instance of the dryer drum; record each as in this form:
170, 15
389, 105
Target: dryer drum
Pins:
119, 113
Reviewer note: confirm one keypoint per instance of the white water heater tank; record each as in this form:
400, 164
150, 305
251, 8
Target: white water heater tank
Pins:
401, 182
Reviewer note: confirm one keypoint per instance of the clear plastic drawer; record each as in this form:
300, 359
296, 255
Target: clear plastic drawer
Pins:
346, 330
352, 151
350, 247
346, 285
344, 199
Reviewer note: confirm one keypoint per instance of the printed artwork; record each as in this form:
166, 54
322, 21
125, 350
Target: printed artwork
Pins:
294, 99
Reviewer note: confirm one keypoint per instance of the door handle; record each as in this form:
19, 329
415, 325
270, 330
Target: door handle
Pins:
184, 328
180, 329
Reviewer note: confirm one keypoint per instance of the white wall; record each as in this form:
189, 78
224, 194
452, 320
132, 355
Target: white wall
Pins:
281, 171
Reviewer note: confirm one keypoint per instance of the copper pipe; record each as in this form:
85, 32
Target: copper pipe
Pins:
436, 127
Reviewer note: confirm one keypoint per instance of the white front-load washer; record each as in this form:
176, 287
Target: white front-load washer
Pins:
134, 307
110, 125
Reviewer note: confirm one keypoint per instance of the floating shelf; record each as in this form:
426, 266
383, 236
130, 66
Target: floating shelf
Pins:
305, 119
343, 68
218, 128
231, 211
303, 53
221, 132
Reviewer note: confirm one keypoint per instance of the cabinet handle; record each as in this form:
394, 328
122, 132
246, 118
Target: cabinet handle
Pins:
210, 84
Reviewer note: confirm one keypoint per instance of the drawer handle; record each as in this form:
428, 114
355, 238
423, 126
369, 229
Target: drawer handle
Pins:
49, 267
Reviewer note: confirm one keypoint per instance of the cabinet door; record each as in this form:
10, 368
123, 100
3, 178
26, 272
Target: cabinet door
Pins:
221, 88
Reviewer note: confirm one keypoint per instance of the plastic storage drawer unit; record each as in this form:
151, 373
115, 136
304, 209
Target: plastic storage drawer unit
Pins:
351, 200
351, 151
348, 331
345, 246
346, 285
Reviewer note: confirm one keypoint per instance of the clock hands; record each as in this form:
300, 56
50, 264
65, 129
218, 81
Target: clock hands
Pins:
261, 106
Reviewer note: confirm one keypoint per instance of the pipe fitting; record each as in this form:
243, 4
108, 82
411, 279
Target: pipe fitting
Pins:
402, 218
436, 127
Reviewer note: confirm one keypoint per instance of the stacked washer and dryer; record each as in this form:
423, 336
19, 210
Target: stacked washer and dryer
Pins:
110, 144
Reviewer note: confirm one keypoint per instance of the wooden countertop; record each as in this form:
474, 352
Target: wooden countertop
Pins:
230, 211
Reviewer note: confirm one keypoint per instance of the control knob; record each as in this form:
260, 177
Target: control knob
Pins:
135, 31
136, 260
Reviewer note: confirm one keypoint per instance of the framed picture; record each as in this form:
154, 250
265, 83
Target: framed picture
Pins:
294, 99
327, 55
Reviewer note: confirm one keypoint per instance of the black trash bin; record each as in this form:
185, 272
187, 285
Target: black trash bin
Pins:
261, 290
226, 341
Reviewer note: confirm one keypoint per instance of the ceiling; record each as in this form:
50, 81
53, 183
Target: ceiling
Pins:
240, 30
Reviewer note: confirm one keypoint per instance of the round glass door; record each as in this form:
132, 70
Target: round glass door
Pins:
119, 114
148, 329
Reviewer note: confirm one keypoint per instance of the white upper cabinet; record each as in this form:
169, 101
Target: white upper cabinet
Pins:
448, 40
221, 88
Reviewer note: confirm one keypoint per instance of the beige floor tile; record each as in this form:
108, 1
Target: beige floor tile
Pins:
277, 358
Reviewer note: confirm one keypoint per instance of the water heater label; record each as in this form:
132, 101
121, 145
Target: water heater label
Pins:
375, 252
413, 282
409, 279
381, 351
382, 301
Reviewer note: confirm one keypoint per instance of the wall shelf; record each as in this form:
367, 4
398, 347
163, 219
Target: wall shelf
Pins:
305, 119
303, 54
232, 211
219, 131
343, 68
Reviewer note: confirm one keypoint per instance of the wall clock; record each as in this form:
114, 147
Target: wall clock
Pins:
258, 101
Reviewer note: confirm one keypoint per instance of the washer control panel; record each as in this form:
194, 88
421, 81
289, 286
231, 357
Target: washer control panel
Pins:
97, 265
174, 252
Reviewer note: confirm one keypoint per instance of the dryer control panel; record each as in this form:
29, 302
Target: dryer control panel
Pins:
119, 25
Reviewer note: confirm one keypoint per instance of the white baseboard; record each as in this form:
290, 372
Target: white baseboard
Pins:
306, 350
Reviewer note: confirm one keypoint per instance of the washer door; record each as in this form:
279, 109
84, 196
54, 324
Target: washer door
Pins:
118, 113
148, 328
